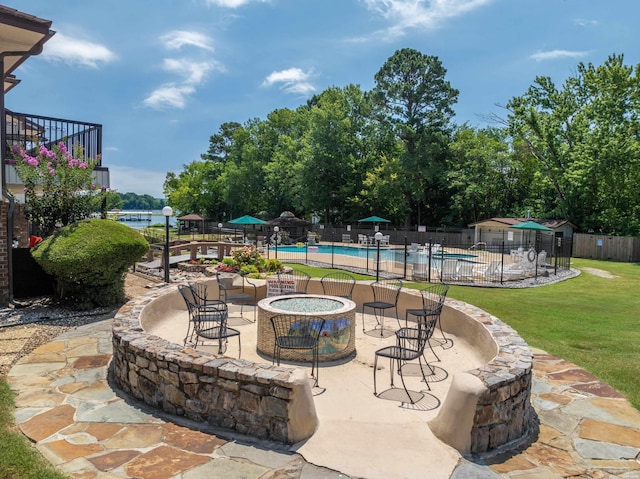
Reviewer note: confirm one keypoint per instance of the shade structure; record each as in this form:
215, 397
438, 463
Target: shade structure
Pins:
247, 220
373, 219
244, 221
531, 226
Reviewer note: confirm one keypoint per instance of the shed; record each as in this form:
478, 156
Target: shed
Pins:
494, 231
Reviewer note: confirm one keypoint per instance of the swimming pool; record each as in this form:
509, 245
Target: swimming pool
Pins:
389, 254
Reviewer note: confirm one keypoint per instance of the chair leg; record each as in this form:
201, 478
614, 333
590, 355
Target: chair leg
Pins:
375, 368
434, 353
406, 390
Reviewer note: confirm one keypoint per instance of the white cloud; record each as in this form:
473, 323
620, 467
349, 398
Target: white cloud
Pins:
293, 80
178, 38
425, 14
555, 54
194, 72
231, 3
583, 22
169, 95
75, 51
125, 179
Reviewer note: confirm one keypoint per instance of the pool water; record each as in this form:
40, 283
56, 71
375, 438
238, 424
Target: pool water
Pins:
389, 254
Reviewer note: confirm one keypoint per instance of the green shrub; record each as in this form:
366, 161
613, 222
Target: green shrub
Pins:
249, 269
273, 265
89, 259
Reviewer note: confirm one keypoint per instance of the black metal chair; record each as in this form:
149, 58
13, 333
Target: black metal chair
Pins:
293, 282
209, 320
237, 289
195, 297
297, 332
338, 284
410, 344
385, 297
433, 298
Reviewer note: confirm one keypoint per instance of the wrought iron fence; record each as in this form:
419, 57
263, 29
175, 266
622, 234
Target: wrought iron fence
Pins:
476, 264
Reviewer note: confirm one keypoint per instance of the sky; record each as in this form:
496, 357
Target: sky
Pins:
161, 76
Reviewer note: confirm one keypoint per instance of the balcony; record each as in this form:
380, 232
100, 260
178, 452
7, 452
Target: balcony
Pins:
30, 130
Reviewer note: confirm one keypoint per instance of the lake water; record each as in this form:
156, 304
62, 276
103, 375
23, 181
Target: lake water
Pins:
139, 219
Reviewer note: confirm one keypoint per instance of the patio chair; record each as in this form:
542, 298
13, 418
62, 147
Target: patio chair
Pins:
209, 321
300, 333
195, 297
433, 298
465, 271
346, 238
449, 269
237, 289
493, 271
385, 296
293, 282
409, 347
542, 258
420, 271
338, 284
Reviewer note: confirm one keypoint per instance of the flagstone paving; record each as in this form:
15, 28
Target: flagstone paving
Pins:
66, 406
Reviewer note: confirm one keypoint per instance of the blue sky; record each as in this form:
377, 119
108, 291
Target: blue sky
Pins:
161, 76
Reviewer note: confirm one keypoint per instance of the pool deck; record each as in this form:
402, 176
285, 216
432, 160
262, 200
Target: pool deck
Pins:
66, 405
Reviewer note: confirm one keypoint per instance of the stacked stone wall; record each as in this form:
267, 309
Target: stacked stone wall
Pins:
249, 398
259, 399
503, 412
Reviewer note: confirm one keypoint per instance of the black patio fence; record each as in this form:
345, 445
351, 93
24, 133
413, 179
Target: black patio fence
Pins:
436, 260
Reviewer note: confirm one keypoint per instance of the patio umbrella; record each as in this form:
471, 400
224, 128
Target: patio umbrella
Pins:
244, 221
373, 219
530, 225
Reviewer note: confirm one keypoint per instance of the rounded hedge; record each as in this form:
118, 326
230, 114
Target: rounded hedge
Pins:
89, 260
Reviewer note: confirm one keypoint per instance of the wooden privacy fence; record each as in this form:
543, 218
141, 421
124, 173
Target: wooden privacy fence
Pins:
614, 248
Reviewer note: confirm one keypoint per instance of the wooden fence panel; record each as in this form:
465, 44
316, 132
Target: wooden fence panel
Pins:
614, 248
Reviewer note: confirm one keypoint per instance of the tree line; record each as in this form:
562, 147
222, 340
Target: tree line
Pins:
569, 152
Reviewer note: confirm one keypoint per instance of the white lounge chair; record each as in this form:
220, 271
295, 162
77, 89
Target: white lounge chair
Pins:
449, 269
465, 271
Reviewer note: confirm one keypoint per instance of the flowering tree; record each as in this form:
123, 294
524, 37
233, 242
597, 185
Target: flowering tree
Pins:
58, 186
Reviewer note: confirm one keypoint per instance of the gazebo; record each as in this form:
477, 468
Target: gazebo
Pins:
295, 228
190, 222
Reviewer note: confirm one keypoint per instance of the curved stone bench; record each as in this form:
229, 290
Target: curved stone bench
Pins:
486, 408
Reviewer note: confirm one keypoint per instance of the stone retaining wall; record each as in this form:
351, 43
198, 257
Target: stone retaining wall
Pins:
259, 400
486, 409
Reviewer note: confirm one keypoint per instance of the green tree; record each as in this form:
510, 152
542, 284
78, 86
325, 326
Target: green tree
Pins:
585, 138
336, 155
416, 102
58, 185
194, 190
487, 176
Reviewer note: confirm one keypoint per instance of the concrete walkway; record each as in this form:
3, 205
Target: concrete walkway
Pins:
66, 405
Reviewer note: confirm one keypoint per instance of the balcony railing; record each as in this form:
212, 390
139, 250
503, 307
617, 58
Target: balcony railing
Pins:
28, 131
31, 130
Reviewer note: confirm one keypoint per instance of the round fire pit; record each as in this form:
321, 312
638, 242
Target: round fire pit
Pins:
337, 338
